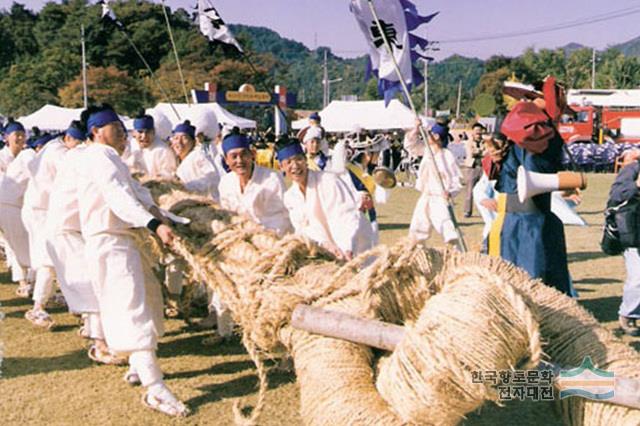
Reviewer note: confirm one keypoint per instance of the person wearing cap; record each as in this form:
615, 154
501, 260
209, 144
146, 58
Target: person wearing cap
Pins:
432, 210
197, 171
321, 206
112, 215
528, 234
13, 184
15, 138
474, 148
49, 158
156, 157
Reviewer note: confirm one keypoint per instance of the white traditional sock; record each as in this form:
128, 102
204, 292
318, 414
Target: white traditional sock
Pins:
145, 364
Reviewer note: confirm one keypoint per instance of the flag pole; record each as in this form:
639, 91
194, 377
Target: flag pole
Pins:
175, 52
153, 75
430, 157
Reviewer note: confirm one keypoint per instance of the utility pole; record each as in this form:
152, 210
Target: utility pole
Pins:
459, 99
593, 69
84, 70
325, 82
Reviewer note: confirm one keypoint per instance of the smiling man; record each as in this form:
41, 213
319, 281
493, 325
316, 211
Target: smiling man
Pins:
321, 206
158, 160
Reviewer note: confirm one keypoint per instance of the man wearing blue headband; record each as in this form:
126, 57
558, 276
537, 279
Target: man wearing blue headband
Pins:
15, 138
157, 158
250, 189
255, 192
13, 184
111, 213
321, 206
196, 168
51, 153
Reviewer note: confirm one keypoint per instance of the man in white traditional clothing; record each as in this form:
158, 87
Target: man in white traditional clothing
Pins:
34, 215
155, 156
253, 191
129, 297
13, 184
321, 206
196, 169
66, 247
432, 211
15, 138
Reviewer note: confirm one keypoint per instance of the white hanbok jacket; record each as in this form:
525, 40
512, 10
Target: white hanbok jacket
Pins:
158, 160
327, 213
431, 209
199, 173
262, 199
6, 157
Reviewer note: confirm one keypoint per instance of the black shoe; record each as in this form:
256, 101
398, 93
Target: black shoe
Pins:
629, 326
467, 215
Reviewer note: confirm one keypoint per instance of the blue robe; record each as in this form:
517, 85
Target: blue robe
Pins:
533, 241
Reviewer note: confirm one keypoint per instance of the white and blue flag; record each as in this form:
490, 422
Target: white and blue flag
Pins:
213, 27
397, 19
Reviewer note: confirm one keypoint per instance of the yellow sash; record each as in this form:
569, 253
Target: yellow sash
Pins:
366, 179
496, 228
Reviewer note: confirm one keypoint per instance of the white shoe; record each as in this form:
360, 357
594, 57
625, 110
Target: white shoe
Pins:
161, 399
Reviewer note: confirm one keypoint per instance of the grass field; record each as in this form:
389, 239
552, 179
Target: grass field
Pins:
48, 379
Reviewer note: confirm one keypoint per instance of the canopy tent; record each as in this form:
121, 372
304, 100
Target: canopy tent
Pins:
345, 116
52, 118
224, 117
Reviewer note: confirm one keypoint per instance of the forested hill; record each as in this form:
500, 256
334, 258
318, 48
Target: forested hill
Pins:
40, 62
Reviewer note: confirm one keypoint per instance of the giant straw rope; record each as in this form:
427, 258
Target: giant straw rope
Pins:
461, 312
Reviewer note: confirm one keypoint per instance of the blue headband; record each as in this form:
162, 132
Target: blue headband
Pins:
41, 141
143, 123
315, 116
233, 142
101, 119
14, 126
289, 151
185, 128
76, 133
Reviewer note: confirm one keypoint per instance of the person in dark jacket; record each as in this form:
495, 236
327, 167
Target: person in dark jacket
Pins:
627, 187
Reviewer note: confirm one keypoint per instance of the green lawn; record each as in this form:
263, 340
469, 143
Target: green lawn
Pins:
47, 378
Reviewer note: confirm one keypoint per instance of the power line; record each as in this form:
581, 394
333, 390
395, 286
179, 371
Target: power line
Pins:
549, 28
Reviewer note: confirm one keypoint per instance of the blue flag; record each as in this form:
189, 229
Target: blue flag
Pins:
397, 19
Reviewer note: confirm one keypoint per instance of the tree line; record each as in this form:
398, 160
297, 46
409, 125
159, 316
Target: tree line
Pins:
40, 63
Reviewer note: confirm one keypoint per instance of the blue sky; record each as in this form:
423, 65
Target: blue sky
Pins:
329, 22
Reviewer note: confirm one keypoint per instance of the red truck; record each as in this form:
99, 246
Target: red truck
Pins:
597, 124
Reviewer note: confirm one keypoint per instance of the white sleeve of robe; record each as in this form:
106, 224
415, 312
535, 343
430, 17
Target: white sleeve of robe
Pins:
341, 211
114, 182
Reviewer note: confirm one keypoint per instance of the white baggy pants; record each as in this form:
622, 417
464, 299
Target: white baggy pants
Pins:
129, 295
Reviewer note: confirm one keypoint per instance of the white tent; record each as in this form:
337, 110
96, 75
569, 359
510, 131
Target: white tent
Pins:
53, 118
224, 117
345, 116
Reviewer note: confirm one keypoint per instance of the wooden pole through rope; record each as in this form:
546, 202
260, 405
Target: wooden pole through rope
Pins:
462, 246
386, 336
